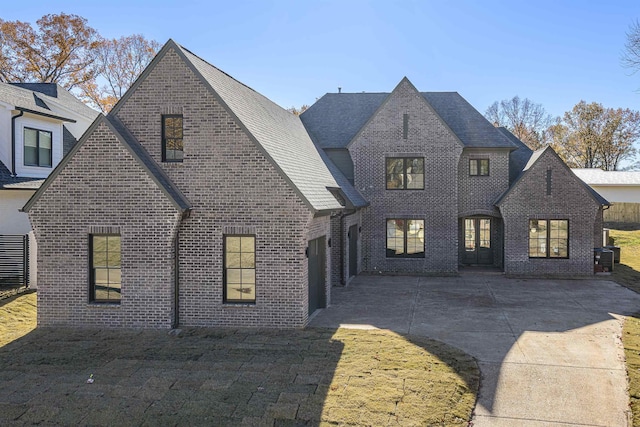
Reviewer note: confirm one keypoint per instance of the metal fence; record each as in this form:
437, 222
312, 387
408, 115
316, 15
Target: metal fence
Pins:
14, 260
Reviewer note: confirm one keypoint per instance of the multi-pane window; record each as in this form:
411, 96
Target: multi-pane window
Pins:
405, 238
172, 144
37, 147
548, 238
105, 261
405, 173
479, 167
239, 269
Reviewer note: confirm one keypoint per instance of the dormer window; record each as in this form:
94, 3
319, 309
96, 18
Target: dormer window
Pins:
172, 145
37, 148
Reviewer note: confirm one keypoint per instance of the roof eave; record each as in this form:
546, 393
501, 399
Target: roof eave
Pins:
51, 116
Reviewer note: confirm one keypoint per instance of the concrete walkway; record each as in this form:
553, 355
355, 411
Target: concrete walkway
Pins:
549, 351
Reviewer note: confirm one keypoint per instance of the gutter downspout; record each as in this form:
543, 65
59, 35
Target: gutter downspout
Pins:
176, 275
13, 143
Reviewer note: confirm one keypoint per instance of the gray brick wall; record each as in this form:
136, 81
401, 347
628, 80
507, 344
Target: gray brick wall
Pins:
437, 204
477, 194
568, 200
232, 187
103, 185
340, 252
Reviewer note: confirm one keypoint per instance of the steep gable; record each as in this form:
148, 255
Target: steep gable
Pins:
116, 130
277, 133
533, 181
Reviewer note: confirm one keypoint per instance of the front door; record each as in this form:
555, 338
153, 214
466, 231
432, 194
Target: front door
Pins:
317, 259
477, 241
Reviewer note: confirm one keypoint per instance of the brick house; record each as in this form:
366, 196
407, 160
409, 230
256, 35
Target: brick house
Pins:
199, 202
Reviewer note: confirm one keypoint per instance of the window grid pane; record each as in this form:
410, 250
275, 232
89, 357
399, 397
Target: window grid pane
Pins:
172, 134
240, 273
405, 238
549, 238
106, 273
405, 173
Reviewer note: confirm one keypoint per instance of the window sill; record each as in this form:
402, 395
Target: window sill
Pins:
238, 304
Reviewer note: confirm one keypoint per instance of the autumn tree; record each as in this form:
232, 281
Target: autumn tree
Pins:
524, 118
60, 50
298, 111
119, 63
592, 136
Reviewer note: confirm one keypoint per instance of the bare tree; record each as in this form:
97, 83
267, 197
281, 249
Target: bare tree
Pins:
524, 118
592, 136
631, 54
119, 63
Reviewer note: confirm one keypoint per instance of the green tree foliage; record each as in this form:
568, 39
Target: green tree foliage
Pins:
592, 136
524, 118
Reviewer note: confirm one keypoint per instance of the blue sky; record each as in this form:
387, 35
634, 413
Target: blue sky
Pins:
555, 53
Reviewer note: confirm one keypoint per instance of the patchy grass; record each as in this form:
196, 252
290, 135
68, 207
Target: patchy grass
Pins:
631, 340
627, 273
227, 377
17, 316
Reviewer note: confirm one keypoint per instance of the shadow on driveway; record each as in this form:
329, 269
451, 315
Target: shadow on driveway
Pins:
548, 350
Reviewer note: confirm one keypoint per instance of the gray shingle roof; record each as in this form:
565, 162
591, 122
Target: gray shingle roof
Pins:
348, 190
336, 118
26, 99
8, 182
53, 92
465, 121
517, 158
280, 134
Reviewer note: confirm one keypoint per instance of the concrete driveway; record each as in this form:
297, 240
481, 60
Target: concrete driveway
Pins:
549, 351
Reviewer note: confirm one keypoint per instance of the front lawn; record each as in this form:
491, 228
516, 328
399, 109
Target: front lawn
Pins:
627, 273
227, 376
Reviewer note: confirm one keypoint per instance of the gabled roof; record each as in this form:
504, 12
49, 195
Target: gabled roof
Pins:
41, 98
335, 119
279, 134
595, 176
8, 182
137, 151
53, 93
535, 157
519, 157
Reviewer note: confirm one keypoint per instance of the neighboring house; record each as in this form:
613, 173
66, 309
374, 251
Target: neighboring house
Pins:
621, 188
199, 202
39, 123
